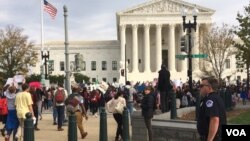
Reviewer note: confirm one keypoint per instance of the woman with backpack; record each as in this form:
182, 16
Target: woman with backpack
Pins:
12, 122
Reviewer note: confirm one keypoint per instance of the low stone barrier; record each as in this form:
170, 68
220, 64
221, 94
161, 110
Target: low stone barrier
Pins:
165, 129
174, 130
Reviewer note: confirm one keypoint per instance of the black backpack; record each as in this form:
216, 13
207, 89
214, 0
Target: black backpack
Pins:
126, 93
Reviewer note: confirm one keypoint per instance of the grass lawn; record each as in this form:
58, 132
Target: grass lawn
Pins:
242, 118
235, 116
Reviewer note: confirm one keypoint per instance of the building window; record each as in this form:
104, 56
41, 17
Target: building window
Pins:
72, 66
83, 65
51, 65
128, 61
104, 65
114, 65
93, 80
104, 79
114, 79
227, 63
93, 65
62, 66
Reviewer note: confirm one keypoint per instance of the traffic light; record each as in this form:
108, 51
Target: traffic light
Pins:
122, 72
184, 45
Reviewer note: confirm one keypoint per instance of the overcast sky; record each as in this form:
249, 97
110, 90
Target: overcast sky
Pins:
91, 19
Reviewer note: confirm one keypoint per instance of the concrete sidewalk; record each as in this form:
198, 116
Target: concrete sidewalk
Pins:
49, 131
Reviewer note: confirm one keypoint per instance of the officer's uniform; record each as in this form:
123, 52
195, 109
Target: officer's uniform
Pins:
211, 106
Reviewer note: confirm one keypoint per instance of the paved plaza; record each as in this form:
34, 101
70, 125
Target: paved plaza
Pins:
49, 131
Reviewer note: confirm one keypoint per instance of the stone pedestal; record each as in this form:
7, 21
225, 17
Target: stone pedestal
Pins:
139, 130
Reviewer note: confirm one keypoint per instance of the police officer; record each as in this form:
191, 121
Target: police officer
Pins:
212, 114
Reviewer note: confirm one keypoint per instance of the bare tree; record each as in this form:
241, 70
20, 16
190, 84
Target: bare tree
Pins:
217, 43
16, 53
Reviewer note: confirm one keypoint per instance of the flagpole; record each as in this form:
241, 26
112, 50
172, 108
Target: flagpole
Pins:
42, 47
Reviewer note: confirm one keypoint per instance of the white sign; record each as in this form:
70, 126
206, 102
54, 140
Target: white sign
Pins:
19, 79
9, 81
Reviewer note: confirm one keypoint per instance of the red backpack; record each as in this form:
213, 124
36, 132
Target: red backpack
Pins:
59, 96
3, 106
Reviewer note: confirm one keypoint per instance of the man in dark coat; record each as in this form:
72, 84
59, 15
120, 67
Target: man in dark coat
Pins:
164, 87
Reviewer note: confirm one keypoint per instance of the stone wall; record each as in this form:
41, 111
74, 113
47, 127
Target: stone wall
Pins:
139, 130
174, 130
164, 129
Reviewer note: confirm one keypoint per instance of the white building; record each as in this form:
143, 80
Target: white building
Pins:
148, 36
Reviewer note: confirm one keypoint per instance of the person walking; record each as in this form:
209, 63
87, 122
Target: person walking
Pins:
147, 106
164, 87
12, 122
118, 99
35, 99
212, 114
60, 96
129, 93
75, 104
23, 104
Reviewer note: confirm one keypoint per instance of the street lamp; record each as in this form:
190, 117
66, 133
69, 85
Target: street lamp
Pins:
45, 57
189, 26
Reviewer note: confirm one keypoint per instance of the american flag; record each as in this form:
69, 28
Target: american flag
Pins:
50, 9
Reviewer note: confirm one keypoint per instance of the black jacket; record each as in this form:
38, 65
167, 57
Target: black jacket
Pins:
164, 80
147, 106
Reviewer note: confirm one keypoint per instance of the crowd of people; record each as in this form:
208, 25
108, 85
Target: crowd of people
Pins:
147, 97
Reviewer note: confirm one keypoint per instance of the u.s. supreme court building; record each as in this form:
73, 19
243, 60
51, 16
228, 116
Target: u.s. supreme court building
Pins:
148, 35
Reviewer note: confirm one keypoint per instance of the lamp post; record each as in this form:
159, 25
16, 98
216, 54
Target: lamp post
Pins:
66, 43
189, 26
45, 57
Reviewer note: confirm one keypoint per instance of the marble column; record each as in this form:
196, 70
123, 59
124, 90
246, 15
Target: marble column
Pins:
146, 48
171, 48
135, 48
158, 47
195, 48
123, 41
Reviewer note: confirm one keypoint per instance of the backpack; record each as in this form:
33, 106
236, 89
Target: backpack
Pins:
60, 96
3, 106
72, 100
126, 93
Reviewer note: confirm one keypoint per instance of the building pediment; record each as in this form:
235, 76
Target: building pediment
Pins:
164, 7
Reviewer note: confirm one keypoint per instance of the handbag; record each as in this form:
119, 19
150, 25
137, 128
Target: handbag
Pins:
110, 106
119, 107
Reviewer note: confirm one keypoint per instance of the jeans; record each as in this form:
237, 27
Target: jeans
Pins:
54, 114
118, 119
130, 106
149, 128
60, 116
39, 104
